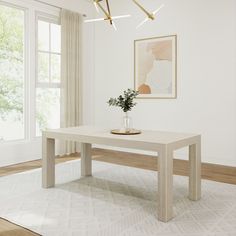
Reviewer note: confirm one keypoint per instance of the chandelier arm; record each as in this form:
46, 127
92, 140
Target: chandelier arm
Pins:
95, 20
96, 5
141, 23
150, 15
158, 9
109, 11
114, 25
103, 10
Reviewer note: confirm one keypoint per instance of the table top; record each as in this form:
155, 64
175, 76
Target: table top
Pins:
147, 136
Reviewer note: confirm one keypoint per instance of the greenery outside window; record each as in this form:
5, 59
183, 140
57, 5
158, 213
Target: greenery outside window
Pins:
12, 73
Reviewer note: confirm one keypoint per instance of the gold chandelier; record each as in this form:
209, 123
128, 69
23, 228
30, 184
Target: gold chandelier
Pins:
108, 17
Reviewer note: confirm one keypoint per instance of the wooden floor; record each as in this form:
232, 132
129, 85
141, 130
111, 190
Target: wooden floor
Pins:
219, 173
9, 229
213, 172
21, 167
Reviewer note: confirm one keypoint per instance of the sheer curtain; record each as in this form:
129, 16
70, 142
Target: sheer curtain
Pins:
70, 75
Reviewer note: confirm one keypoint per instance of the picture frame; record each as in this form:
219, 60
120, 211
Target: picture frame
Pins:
155, 67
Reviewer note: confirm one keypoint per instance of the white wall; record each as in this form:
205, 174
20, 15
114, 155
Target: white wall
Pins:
21, 151
206, 102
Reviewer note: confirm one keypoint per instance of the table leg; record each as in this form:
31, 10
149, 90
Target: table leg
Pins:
48, 162
195, 171
165, 184
86, 159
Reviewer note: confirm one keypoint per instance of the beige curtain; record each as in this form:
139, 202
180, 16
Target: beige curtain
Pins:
70, 75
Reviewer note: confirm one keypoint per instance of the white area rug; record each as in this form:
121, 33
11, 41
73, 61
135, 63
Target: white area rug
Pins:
117, 200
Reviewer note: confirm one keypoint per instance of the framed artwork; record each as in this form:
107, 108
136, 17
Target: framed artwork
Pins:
155, 67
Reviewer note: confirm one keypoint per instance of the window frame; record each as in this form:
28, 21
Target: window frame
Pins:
31, 10
51, 20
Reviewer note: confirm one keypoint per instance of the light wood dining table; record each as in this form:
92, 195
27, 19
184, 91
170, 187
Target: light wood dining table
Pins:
161, 142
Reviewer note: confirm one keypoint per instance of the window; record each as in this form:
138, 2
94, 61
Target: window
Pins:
12, 73
29, 70
48, 75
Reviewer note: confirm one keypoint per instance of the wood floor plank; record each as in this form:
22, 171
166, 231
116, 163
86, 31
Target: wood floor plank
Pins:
8, 228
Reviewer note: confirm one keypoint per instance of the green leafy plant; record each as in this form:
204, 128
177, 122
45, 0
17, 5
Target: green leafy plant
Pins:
125, 101
11, 64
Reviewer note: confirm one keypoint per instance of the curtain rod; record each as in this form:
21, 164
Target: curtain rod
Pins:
51, 5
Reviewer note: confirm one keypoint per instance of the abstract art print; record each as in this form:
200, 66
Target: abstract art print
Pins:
155, 67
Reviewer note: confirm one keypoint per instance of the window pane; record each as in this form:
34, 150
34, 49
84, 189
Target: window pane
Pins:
47, 109
43, 67
43, 35
49, 63
11, 73
55, 38
55, 67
